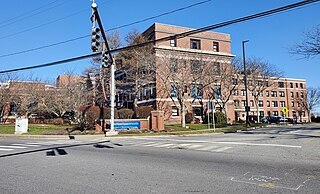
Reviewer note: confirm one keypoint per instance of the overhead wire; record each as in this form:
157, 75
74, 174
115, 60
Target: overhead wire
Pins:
26, 13
177, 36
85, 36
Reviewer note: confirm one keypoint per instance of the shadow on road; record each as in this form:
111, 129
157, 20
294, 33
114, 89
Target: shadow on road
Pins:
51, 151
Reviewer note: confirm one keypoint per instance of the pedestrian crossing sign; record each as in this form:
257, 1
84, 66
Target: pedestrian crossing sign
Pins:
285, 110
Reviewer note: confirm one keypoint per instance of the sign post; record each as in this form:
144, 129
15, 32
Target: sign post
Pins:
284, 110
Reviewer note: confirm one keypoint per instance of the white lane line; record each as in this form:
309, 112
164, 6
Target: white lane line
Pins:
145, 143
206, 148
221, 149
3, 149
14, 147
20, 144
42, 143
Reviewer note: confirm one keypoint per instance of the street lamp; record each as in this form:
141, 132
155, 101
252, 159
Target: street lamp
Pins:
247, 107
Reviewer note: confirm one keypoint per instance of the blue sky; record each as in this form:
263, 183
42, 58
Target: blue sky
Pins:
59, 20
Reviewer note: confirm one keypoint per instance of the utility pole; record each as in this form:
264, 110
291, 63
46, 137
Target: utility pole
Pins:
247, 107
110, 62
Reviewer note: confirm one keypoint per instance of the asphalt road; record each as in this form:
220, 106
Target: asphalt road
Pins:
268, 160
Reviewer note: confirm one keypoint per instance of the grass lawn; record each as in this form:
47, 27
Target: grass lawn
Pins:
35, 129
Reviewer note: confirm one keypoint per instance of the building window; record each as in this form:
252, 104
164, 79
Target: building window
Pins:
297, 94
174, 65
259, 83
216, 68
301, 85
235, 92
173, 91
261, 113
217, 92
243, 93
275, 113
268, 103
144, 92
273, 94
280, 84
267, 93
301, 94
274, 103
281, 94
291, 94
174, 111
196, 110
234, 81
216, 46
260, 103
173, 42
292, 104
139, 94
267, 84
195, 44
195, 66
296, 85
243, 103
291, 85
251, 103
236, 103
196, 91
282, 104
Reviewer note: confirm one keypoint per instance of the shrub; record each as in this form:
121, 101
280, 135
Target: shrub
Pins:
125, 113
220, 118
107, 113
189, 117
142, 112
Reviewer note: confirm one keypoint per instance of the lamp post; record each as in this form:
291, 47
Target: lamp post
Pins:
247, 107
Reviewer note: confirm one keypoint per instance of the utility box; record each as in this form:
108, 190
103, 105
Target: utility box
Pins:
21, 125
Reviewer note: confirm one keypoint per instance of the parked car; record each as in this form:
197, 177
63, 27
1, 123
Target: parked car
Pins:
282, 119
272, 119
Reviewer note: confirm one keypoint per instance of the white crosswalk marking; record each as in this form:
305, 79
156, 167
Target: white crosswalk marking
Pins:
194, 146
14, 147
221, 149
167, 145
206, 148
153, 145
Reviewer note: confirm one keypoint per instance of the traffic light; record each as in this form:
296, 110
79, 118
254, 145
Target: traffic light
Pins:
95, 39
105, 59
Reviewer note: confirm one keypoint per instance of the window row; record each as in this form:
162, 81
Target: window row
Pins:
195, 44
260, 103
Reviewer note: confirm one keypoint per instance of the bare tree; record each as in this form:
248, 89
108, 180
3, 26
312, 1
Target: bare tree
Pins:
138, 65
260, 76
309, 102
182, 75
225, 78
310, 46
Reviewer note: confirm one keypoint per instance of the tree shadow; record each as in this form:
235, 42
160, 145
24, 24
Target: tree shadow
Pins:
60, 150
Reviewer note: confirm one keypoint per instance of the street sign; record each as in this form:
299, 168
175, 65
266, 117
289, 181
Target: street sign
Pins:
285, 110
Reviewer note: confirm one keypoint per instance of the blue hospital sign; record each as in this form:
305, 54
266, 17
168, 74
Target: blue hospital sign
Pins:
120, 125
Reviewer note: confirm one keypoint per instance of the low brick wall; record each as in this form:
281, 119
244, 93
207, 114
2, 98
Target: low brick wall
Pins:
144, 123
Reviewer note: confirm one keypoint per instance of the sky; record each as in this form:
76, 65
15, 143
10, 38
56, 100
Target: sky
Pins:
26, 25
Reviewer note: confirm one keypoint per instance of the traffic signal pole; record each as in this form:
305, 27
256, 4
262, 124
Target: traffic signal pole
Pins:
106, 49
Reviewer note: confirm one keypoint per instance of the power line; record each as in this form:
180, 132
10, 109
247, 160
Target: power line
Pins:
26, 13
177, 36
85, 36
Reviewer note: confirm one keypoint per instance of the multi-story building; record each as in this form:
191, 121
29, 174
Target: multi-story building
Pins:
210, 51
282, 93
